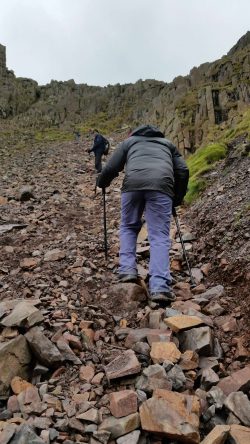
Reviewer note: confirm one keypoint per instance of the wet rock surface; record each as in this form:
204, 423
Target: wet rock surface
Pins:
85, 359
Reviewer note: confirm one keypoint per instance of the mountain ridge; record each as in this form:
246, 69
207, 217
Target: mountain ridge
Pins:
211, 95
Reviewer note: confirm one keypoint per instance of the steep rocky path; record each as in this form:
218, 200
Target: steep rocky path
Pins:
103, 365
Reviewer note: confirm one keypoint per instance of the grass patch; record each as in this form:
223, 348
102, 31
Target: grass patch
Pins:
242, 126
199, 163
104, 123
53, 135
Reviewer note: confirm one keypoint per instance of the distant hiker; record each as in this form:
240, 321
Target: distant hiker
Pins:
77, 135
156, 179
100, 147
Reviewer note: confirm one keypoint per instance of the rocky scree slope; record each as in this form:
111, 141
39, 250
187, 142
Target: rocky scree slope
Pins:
220, 221
213, 95
84, 359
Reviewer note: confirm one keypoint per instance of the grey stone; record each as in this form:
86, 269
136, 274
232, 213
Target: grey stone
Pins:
208, 362
208, 378
177, 377
216, 396
232, 419
153, 377
217, 291
23, 315
102, 436
66, 351
141, 395
239, 404
169, 312
25, 435
130, 438
218, 352
44, 350
167, 365
90, 428
75, 424
209, 413
141, 348
197, 339
8, 305
121, 426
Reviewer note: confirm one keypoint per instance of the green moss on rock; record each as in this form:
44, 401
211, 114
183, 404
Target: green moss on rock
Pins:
199, 163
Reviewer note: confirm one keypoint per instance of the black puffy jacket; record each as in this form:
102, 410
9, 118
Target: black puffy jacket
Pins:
152, 163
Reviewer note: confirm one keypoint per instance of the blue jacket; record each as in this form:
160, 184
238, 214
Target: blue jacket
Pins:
99, 144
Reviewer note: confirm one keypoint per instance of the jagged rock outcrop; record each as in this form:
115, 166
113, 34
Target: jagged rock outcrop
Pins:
16, 94
186, 109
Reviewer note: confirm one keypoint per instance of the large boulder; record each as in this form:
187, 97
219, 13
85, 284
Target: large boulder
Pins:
172, 415
15, 358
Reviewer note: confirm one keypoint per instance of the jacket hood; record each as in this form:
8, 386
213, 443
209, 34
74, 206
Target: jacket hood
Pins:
147, 131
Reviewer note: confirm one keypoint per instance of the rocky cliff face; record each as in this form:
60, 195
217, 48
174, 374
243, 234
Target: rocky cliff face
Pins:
214, 94
16, 94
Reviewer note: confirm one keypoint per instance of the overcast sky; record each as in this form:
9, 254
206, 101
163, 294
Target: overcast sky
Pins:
102, 42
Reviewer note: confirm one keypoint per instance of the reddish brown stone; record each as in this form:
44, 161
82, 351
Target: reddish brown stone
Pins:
18, 385
173, 415
189, 360
239, 380
87, 372
162, 351
73, 341
123, 403
124, 365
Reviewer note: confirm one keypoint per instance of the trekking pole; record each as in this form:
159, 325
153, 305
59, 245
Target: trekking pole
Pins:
193, 284
105, 224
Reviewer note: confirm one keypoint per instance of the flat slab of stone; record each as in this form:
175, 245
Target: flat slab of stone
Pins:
239, 380
218, 435
162, 351
182, 322
121, 426
7, 305
124, 365
172, 415
23, 315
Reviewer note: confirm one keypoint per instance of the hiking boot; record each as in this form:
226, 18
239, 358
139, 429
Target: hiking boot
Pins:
127, 278
162, 296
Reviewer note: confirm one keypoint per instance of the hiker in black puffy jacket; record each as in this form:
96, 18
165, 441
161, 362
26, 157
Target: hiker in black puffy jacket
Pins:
99, 148
156, 178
